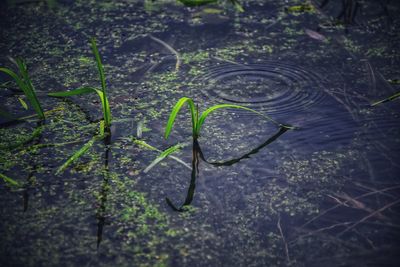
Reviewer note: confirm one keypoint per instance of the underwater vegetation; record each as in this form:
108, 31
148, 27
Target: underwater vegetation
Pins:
24, 83
198, 121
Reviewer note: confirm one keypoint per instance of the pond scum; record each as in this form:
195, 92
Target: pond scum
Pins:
250, 227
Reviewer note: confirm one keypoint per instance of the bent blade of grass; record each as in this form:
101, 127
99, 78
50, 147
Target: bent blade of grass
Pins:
29, 88
237, 5
107, 113
150, 147
38, 131
9, 181
28, 91
220, 106
163, 155
390, 98
87, 90
83, 149
175, 111
77, 154
23, 103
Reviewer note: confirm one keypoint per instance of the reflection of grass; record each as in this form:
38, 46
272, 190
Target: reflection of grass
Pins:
86, 90
192, 3
24, 83
197, 122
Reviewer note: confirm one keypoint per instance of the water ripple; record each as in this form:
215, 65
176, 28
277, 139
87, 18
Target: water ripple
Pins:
274, 87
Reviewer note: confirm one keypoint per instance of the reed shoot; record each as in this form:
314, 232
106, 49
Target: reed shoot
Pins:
24, 83
197, 122
101, 92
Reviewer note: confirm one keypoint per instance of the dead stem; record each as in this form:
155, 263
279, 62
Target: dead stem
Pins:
345, 202
283, 239
370, 215
169, 48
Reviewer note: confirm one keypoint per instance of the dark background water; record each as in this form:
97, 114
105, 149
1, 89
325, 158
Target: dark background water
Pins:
326, 193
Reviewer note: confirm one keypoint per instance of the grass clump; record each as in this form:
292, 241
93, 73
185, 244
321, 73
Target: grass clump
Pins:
198, 121
24, 83
101, 92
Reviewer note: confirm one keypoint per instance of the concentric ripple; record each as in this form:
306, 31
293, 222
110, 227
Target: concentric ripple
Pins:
275, 87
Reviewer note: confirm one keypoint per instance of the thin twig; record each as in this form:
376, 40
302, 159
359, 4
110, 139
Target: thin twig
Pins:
338, 205
169, 48
370, 215
283, 239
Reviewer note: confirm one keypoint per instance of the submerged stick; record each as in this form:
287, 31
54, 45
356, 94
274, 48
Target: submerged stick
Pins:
169, 48
370, 215
283, 239
345, 202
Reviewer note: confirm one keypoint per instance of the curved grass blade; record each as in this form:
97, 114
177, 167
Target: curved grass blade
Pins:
86, 90
237, 5
390, 98
23, 103
29, 88
9, 181
163, 155
25, 87
175, 111
83, 149
150, 147
38, 130
77, 154
220, 106
106, 109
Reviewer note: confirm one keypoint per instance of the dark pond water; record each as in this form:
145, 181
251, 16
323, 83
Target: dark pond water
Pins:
247, 193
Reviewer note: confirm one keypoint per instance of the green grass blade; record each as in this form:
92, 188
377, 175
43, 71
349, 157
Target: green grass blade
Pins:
23, 103
237, 5
83, 149
17, 79
77, 154
106, 107
390, 98
220, 106
87, 90
175, 111
30, 90
38, 131
78, 91
9, 181
163, 155
150, 147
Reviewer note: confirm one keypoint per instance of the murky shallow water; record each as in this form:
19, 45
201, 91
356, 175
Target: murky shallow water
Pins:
325, 193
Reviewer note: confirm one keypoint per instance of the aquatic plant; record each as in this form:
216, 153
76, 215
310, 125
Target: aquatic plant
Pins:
83, 149
24, 83
87, 89
192, 3
9, 181
390, 98
197, 122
